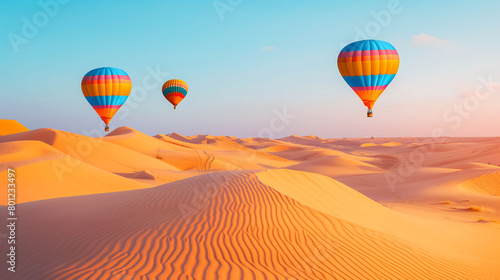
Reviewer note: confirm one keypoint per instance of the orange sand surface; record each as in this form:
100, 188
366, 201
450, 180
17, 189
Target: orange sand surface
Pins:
133, 206
10, 127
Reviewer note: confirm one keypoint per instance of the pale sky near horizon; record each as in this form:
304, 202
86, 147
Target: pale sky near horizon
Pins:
244, 61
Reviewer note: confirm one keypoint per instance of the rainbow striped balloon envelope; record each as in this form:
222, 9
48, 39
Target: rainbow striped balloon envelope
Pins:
368, 67
106, 89
174, 91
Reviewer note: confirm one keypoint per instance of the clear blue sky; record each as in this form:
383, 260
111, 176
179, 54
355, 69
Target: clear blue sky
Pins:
249, 59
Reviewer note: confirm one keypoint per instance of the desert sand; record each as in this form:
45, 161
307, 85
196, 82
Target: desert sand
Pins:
10, 127
133, 206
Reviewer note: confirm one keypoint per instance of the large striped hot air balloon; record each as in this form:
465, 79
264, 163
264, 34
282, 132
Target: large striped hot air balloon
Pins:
174, 91
368, 67
106, 89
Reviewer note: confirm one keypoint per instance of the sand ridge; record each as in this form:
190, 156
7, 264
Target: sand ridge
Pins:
11, 127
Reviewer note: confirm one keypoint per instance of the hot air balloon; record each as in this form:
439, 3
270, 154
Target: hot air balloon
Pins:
174, 91
106, 89
368, 67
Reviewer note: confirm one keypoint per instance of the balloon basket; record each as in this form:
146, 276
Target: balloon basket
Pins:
369, 114
106, 128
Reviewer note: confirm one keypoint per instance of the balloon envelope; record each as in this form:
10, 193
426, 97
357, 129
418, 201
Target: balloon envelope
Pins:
368, 67
174, 91
106, 89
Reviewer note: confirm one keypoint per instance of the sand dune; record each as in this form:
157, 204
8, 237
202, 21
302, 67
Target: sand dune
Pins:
165, 149
281, 148
54, 179
129, 205
175, 141
144, 174
312, 137
488, 184
178, 137
220, 153
257, 143
11, 127
336, 199
305, 140
206, 139
300, 152
392, 144
19, 153
336, 166
329, 196
199, 139
474, 165
44, 172
364, 145
135, 140
224, 226
94, 151
457, 153
389, 144
125, 152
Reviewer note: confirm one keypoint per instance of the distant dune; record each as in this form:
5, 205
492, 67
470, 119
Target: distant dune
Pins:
11, 127
134, 206
245, 230
390, 144
488, 184
44, 172
94, 151
178, 137
336, 166
368, 145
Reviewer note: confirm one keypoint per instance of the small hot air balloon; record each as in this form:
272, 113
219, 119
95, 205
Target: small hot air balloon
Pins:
174, 91
368, 67
106, 89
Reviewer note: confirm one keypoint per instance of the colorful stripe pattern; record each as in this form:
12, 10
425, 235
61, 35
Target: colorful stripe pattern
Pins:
368, 67
106, 89
174, 91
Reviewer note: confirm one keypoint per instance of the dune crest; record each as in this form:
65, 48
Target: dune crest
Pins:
488, 184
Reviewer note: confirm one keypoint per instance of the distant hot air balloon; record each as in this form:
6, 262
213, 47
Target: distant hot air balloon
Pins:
174, 91
106, 89
368, 67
